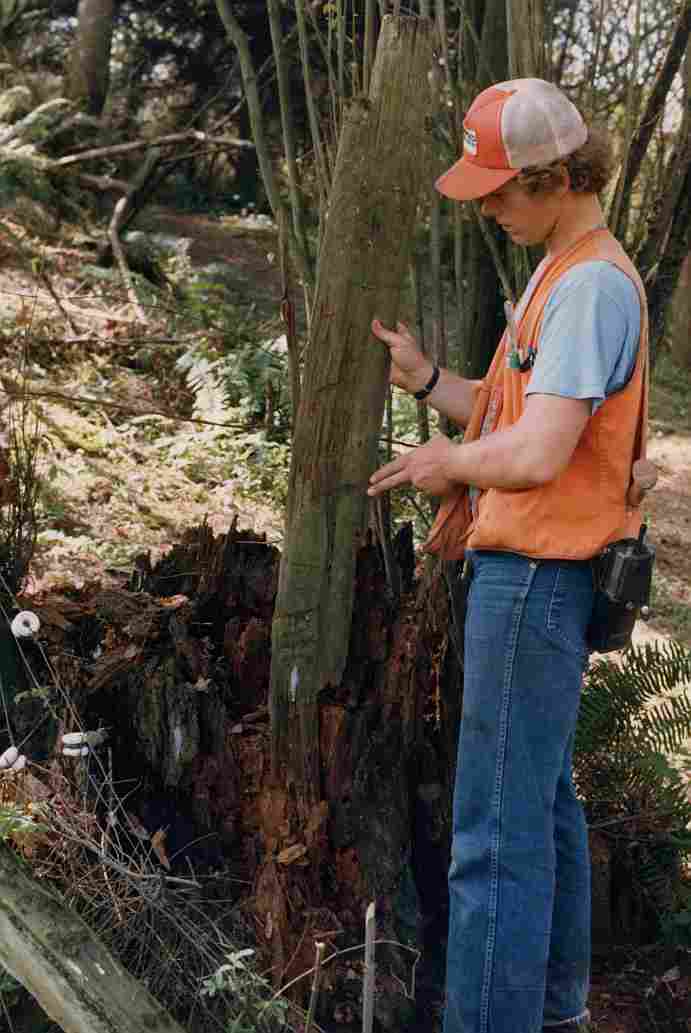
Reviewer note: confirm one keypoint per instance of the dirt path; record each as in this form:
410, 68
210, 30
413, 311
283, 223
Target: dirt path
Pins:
668, 509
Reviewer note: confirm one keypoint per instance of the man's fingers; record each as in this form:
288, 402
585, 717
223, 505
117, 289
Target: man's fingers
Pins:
391, 336
388, 483
389, 476
389, 468
383, 332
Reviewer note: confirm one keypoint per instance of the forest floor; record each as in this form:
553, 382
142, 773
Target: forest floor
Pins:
120, 479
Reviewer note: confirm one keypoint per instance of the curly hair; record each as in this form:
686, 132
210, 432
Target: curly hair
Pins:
589, 168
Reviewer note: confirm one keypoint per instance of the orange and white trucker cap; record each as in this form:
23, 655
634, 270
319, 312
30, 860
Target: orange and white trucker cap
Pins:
509, 127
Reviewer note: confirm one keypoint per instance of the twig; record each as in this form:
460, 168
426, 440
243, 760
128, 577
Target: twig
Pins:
316, 980
322, 174
415, 282
288, 314
618, 221
494, 251
368, 979
113, 236
287, 126
143, 145
16, 390
40, 273
337, 954
653, 110
393, 574
51, 290
103, 183
368, 49
124, 210
240, 41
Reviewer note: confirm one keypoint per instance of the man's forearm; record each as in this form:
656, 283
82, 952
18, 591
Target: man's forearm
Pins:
494, 461
453, 396
531, 452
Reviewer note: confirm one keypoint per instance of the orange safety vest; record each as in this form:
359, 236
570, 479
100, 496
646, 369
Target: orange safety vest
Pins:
583, 509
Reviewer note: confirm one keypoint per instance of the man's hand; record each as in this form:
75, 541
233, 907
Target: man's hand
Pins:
425, 468
410, 369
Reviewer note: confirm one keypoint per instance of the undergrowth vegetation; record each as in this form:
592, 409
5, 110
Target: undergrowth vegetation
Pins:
632, 771
184, 936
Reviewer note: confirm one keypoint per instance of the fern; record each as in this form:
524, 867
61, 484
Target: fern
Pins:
634, 713
638, 702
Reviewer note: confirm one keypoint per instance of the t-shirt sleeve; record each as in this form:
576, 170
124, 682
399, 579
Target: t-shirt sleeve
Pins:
590, 334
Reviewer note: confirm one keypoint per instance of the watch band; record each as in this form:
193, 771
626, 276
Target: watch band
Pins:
429, 386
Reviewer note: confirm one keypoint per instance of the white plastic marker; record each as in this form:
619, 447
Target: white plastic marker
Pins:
12, 760
25, 625
79, 744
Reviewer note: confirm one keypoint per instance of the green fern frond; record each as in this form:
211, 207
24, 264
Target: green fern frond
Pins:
621, 701
666, 725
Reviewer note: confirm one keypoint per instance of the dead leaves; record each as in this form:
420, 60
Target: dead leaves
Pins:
158, 845
291, 854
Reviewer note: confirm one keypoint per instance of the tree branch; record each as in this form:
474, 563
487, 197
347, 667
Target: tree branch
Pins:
141, 145
238, 37
652, 113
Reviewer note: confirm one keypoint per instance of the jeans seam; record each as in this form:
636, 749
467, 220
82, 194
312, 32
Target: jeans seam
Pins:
498, 797
554, 626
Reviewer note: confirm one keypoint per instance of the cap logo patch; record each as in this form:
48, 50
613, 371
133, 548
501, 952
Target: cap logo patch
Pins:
470, 141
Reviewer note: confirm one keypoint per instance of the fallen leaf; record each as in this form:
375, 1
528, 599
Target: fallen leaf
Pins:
158, 841
292, 853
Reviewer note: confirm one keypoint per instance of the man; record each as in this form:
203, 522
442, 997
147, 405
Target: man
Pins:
536, 490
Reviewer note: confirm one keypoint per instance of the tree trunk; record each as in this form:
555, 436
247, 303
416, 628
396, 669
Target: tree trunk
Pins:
64, 965
650, 117
681, 312
379, 171
525, 23
89, 66
669, 268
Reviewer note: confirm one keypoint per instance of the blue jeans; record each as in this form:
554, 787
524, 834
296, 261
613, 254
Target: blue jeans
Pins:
518, 953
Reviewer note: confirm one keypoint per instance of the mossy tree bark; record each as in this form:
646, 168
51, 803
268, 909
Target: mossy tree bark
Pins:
379, 171
63, 964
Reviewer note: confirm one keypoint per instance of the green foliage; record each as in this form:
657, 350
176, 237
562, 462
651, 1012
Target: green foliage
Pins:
264, 468
250, 993
19, 506
21, 177
14, 822
10, 990
246, 358
634, 714
636, 705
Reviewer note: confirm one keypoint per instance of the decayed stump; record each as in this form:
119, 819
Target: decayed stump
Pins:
181, 678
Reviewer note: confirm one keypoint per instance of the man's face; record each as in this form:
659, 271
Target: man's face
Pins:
527, 218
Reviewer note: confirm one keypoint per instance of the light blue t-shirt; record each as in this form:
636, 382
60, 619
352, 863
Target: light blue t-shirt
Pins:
590, 333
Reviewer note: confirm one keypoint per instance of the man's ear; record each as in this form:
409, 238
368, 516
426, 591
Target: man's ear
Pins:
565, 180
